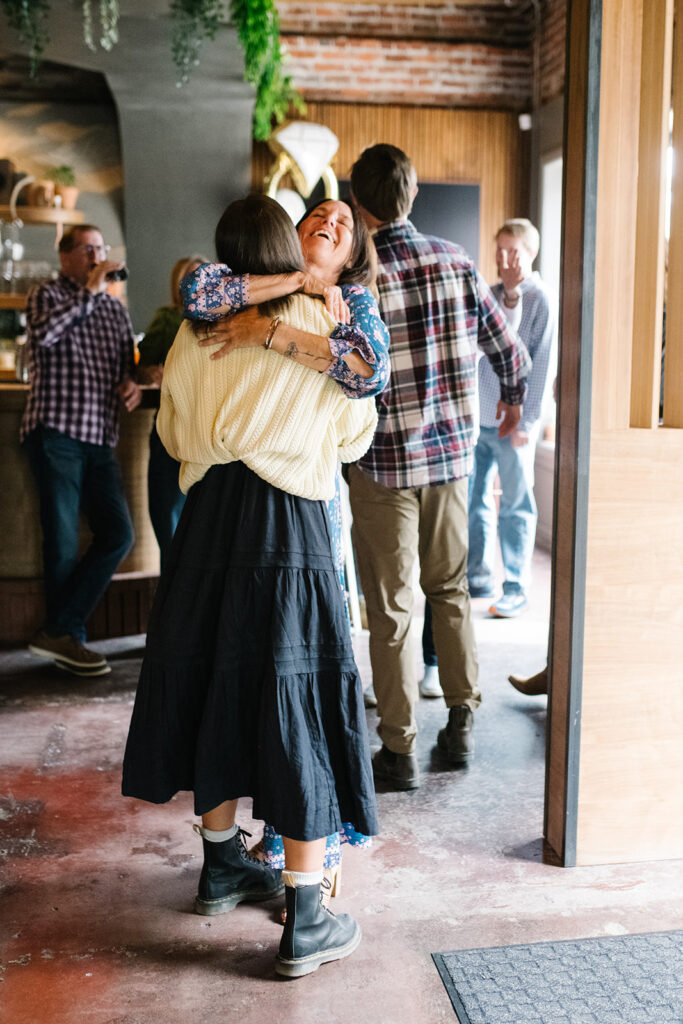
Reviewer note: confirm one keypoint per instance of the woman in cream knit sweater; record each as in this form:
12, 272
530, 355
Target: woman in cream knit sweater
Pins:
249, 686
355, 355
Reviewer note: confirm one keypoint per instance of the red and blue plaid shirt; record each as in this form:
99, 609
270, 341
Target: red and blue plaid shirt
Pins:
439, 310
81, 346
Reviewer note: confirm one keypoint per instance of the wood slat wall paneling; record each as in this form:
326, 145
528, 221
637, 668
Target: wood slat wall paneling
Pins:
573, 436
673, 362
655, 102
459, 146
618, 193
630, 800
629, 805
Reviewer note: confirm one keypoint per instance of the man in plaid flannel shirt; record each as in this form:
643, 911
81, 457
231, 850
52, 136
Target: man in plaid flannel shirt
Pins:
81, 348
409, 491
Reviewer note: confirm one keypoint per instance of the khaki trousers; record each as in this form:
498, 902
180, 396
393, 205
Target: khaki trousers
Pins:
390, 527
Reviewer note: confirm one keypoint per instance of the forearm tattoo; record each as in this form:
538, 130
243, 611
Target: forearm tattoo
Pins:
293, 350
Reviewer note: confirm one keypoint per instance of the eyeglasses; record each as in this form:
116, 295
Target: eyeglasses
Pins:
92, 250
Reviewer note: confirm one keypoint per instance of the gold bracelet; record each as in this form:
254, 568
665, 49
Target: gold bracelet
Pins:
271, 331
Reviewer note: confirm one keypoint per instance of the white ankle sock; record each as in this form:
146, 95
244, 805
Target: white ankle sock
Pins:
296, 878
218, 837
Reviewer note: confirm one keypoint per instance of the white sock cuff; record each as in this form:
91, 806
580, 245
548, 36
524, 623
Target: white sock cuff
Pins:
218, 837
294, 879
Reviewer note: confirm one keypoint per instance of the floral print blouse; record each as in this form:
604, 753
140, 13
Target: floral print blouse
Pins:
213, 286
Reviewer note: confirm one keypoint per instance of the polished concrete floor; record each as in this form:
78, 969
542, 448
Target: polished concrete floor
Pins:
96, 922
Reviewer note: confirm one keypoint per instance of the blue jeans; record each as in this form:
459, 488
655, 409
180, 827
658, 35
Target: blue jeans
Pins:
74, 476
429, 656
516, 517
166, 500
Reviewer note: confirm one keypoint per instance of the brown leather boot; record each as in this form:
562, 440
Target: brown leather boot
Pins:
399, 771
531, 686
456, 740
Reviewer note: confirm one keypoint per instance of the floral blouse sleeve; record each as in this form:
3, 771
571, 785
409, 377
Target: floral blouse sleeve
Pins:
368, 335
211, 287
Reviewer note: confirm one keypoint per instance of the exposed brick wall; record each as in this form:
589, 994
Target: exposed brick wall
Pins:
445, 54
553, 38
416, 73
493, 24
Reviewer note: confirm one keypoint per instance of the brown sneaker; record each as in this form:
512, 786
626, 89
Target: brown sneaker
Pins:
85, 673
531, 686
456, 740
69, 653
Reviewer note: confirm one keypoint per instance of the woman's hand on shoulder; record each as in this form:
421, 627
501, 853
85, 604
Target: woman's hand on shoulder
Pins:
241, 330
331, 295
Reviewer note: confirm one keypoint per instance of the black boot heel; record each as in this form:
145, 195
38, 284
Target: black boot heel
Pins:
313, 935
230, 876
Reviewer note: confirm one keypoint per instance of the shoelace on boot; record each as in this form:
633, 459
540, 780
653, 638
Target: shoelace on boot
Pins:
242, 846
240, 834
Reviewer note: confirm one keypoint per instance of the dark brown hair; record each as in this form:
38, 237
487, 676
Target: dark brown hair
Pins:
362, 264
69, 239
382, 181
256, 236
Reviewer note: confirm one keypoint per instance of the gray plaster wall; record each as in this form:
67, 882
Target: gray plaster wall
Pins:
185, 153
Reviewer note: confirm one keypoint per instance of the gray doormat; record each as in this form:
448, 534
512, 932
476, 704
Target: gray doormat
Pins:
625, 979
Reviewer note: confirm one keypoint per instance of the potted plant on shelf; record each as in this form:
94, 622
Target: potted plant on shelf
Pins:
65, 185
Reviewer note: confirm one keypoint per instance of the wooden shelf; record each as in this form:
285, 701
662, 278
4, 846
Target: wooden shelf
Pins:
44, 215
11, 300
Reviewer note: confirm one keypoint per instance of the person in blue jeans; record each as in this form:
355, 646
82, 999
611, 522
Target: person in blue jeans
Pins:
512, 457
165, 499
81, 365
526, 300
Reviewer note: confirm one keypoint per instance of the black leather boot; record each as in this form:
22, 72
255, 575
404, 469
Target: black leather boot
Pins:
456, 740
230, 876
313, 935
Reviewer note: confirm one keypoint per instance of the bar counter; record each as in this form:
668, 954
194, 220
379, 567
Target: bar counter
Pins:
124, 609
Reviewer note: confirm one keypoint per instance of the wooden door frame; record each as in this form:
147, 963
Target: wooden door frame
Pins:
572, 451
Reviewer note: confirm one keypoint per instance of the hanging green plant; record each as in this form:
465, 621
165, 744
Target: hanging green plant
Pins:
258, 30
29, 18
194, 21
109, 23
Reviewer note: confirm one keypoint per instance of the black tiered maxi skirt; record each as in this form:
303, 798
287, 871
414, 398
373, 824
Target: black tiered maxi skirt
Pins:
249, 685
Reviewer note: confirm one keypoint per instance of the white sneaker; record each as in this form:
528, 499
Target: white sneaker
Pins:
429, 684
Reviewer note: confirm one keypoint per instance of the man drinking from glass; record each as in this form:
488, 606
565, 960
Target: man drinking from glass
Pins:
81, 363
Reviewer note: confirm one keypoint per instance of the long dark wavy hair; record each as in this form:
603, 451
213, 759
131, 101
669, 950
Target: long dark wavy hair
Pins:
255, 235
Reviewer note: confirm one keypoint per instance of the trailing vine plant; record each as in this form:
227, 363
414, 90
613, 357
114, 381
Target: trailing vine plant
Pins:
109, 23
29, 18
258, 30
193, 22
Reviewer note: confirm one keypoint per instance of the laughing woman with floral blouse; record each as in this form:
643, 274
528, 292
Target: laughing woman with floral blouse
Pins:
357, 358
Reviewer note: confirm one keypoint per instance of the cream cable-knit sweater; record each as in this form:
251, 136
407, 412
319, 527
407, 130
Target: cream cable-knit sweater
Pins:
288, 423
